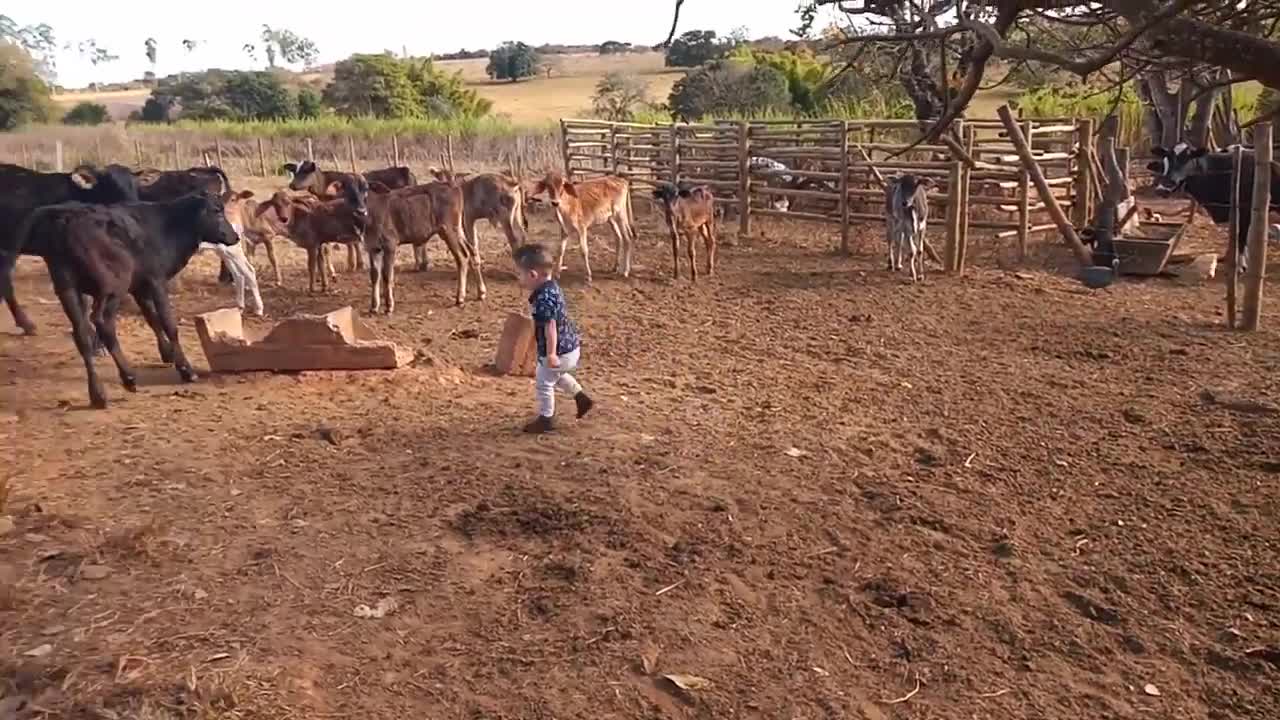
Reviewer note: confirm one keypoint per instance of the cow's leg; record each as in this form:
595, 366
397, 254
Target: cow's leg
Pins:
461, 263
328, 262
73, 306
351, 258
473, 260
152, 317
388, 281
620, 262
104, 321
890, 239
7, 264
693, 256
160, 297
586, 252
375, 280
675, 252
564, 242
709, 239
271, 256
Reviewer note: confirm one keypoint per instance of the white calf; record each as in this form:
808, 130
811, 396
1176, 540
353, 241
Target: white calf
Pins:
906, 211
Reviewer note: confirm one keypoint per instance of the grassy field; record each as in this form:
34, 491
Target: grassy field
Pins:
566, 93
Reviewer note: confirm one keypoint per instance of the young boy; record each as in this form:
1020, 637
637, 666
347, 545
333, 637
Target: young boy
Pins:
559, 345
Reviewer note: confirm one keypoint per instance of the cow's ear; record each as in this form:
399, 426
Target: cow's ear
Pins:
244, 194
333, 190
291, 168
84, 179
379, 188
925, 182
571, 189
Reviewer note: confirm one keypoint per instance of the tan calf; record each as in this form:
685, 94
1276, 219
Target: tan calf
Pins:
255, 228
311, 224
493, 197
583, 205
689, 210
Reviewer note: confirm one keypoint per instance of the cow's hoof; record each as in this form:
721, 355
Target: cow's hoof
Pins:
27, 329
187, 374
130, 383
98, 402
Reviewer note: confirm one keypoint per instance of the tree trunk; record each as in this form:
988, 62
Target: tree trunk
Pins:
1201, 115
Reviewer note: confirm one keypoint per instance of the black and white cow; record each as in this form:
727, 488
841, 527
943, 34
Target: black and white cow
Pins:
1206, 177
906, 215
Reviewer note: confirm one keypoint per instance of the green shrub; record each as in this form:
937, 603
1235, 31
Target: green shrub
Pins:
87, 113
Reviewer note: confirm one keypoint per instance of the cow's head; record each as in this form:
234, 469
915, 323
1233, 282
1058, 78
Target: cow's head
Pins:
210, 220
556, 187
354, 190
908, 187
304, 175
112, 184
1173, 166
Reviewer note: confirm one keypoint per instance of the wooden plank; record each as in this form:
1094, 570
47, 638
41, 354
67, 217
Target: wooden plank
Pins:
844, 188
744, 179
1233, 232
1046, 193
1255, 273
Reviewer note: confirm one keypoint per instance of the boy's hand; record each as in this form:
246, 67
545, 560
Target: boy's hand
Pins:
553, 360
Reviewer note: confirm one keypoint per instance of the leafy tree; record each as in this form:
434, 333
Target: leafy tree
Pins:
24, 95
151, 53
87, 113
696, 48
512, 61
37, 40
613, 47
96, 55
256, 96
729, 87
618, 97
288, 46
388, 87
156, 110
309, 104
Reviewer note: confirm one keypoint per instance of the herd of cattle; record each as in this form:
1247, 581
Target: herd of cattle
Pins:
105, 233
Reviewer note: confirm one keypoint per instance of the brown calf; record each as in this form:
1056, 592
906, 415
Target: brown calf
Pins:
583, 205
414, 215
311, 224
308, 176
493, 197
689, 210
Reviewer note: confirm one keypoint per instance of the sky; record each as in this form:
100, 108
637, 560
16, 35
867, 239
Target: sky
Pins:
340, 29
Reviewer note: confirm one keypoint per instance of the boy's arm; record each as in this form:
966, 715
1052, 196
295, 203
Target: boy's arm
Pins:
553, 360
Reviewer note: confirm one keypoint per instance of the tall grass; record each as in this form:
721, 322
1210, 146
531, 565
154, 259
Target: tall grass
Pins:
368, 128
1079, 102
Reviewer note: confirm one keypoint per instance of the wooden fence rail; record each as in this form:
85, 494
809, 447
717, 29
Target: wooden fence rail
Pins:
837, 169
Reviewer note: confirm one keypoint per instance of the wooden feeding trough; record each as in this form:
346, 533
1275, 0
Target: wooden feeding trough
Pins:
1147, 250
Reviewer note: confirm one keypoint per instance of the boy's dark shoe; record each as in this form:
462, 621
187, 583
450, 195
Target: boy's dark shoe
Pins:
540, 425
584, 404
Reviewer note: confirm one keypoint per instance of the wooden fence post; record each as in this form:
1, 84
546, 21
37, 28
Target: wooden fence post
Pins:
564, 150
311, 151
205, 155
217, 150
395, 150
98, 159
26, 156
137, 150
262, 159
1082, 188
1024, 197
1256, 273
675, 154
177, 155
1232, 256
57, 155
951, 251
744, 178
844, 187
966, 174
1042, 186
351, 152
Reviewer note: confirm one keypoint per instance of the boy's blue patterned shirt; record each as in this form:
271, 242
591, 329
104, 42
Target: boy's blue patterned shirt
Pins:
547, 303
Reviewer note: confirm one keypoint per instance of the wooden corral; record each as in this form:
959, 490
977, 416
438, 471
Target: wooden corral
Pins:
836, 169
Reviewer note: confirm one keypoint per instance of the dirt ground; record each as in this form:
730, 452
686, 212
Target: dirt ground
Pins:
817, 489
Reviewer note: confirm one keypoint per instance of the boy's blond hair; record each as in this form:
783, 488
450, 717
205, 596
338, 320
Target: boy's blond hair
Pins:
534, 256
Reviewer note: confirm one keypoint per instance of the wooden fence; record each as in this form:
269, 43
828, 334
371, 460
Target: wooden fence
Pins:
837, 169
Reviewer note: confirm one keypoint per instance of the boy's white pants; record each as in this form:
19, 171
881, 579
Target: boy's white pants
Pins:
242, 273
547, 379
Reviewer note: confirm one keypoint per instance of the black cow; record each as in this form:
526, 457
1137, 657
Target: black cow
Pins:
1206, 177
161, 185
107, 252
23, 190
